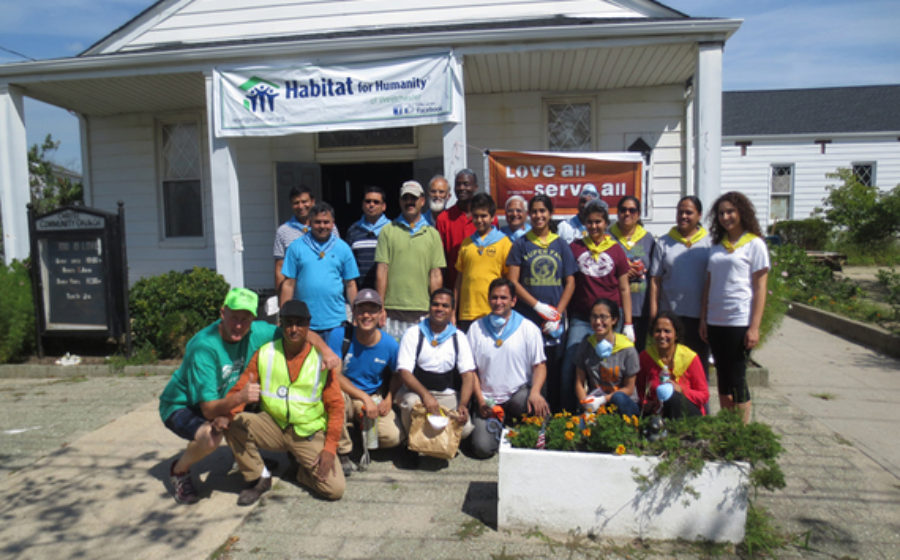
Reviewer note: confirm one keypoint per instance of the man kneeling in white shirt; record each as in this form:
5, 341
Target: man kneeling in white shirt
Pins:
509, 357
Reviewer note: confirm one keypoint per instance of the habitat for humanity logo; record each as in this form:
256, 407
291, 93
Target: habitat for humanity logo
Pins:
260, 95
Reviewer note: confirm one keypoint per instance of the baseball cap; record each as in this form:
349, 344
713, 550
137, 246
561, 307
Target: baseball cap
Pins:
294, 308
367, 295
413, 188
589, 191
242, 299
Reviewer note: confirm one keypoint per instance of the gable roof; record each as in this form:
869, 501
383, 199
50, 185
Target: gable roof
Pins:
811, 111
178, 23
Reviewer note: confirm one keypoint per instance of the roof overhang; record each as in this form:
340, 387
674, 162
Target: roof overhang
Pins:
131, 81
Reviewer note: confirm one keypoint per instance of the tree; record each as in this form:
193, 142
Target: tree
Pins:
863, 213
50, 187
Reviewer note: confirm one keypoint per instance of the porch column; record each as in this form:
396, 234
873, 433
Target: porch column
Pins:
14, 189
708, 105
455, 132
226, 200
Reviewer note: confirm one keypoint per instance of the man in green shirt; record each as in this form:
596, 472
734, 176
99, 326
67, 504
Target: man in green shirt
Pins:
213, 360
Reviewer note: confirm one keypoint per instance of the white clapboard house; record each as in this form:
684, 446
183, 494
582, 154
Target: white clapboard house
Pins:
778, 145
164, 127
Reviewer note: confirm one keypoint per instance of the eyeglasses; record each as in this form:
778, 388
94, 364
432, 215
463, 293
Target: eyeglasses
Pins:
601, 317
629, 210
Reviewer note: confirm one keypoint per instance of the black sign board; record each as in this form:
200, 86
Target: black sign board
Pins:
79, 273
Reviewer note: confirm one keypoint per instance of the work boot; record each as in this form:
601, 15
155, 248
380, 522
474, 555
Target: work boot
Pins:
346, 464
182, 486
250, 495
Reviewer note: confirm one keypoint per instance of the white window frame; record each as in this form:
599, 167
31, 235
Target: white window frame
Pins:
789, 195
871, 164
181, 241
545, 117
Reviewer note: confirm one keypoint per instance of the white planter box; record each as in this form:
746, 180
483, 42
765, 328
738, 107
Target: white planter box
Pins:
595, 493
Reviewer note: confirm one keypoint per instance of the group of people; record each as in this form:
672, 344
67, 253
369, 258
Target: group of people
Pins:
441, 307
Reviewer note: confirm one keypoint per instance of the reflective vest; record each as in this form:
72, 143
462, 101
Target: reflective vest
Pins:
299, 403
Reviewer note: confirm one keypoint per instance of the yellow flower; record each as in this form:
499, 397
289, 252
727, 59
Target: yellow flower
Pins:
512, 434
569, 435
620, 449
636, 420
586, 432
601, 411
569, 425
626, 419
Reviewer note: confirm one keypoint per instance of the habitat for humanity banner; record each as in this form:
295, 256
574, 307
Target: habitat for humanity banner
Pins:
278, 100
563, 176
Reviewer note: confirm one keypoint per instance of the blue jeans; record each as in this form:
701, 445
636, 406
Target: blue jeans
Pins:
624, 404
578, 330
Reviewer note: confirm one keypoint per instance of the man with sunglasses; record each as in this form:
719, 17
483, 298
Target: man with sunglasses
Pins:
302, 412
362, 236
409, 258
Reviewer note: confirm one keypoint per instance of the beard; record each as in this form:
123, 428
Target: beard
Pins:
437, 206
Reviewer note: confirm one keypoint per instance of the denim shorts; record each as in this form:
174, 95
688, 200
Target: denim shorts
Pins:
185, 422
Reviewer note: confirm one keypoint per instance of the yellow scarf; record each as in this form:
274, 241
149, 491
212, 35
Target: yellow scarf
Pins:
621, 342
698, 235
597, 248
638, 234
681, 362
747, 237
551, 237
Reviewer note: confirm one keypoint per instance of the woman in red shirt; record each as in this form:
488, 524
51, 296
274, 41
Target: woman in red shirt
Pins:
689, 391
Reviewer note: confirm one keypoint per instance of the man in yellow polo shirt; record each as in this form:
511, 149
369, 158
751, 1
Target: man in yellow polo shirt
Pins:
302, 412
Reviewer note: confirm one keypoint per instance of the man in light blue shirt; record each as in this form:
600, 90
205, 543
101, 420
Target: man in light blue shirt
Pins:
320, 270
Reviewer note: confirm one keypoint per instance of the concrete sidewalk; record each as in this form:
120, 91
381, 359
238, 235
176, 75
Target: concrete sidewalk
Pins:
78, 483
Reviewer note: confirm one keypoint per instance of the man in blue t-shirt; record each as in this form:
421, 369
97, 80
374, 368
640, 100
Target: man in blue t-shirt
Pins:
319, 270
370, 363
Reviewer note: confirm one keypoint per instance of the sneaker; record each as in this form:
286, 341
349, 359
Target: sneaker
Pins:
346, 464
250, 495
183, 486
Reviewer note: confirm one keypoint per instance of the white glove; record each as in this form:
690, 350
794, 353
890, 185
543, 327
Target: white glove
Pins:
628, 331
550, 326
547, 312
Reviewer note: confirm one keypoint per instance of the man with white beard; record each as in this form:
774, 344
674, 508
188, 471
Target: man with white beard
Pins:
438, 195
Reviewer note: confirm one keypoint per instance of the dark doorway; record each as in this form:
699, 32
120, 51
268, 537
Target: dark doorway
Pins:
343, 184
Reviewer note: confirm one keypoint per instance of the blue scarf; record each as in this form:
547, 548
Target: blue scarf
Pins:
428, 217
412, 229
439, 338
320, 248
295, 223
514, 235
375, 228
489, 239
575, 222
504, 332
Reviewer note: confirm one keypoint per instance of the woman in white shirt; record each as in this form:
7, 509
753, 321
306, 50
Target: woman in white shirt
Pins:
734, 296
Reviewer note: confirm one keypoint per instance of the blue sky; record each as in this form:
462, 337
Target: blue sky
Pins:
781, 44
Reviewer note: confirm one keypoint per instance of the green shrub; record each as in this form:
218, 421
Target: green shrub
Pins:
812, 234
890, 281
167, 310
862, 214
16, 313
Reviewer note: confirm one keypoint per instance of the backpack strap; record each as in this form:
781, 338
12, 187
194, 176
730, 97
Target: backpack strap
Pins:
348, 338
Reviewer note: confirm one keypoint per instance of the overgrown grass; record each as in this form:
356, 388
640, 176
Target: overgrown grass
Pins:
886, 253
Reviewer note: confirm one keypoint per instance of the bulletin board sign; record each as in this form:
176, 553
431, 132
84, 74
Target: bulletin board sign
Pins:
79, 273
562, 176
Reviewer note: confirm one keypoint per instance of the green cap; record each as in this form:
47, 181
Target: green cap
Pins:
242, 299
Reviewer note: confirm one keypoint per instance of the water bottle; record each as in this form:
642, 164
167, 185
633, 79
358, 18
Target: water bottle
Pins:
665, 389
370, 427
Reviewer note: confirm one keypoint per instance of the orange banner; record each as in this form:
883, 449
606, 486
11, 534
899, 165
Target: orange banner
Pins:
562, 177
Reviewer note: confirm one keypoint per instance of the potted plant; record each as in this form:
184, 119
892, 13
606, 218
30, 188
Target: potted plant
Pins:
607, 474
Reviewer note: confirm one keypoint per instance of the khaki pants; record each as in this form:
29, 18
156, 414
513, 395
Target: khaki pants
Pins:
407, 399
249, 432
390, 432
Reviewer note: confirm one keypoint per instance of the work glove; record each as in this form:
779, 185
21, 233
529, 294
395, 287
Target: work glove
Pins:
547, 312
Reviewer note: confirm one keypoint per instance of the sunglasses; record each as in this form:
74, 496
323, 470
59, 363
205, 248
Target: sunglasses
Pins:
371, 201
629, 210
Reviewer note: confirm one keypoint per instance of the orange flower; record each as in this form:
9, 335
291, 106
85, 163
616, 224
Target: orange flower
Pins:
569, 435
511, 435
635, 419
620, 449
601, 411
626, 419
586, 432
569, 425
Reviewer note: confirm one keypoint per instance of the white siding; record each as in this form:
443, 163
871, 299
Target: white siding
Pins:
515, 121
751, 174
202, 21
123, 167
